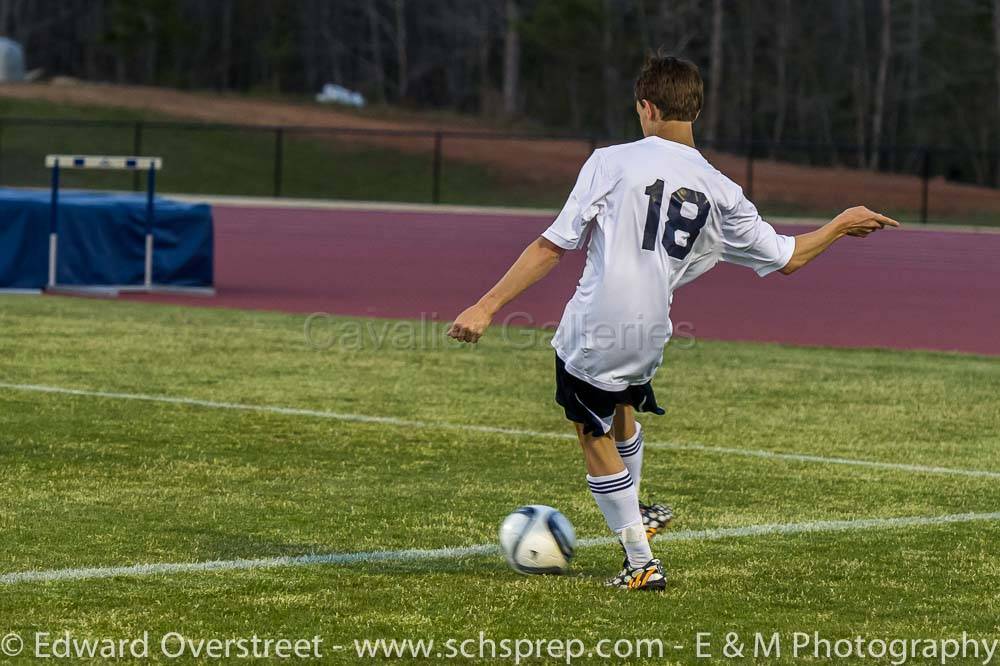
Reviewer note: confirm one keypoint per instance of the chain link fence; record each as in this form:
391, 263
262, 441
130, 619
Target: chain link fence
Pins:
923, 184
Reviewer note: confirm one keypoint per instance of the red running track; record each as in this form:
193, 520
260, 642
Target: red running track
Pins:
912, 289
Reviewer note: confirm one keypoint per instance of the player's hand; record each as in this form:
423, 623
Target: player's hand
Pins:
471, 324
860, 221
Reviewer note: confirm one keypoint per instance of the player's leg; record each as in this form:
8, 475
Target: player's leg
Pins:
624, 425
612, 488
630, 442
599, 453
592, 410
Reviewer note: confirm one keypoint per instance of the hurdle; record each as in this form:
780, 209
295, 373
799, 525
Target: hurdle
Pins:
59, 162
127, 163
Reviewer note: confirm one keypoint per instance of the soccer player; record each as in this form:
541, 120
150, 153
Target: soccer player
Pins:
658, 216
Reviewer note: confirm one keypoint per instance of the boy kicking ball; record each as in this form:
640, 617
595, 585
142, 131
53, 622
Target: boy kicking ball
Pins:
658, 215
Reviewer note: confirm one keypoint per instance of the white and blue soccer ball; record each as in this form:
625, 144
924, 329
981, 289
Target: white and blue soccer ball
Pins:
537, 539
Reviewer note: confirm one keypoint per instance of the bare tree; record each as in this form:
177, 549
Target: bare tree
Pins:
996, 71
782, 27
885, 53
485, 39
331, 30
911, 96
609, 72
152, 46
375, 48
511, 58
861, 85
225, 43
22, 19
749, 57
10, 11
714, 73
645, 25
402, 64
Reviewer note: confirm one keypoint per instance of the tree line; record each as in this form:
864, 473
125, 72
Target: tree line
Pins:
866, 74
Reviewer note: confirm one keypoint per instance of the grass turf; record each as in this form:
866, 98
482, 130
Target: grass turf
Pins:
92, 481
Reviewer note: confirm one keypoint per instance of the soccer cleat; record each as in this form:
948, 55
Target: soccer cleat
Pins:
649, 577
655, 517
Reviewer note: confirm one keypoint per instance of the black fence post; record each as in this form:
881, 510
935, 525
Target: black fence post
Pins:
279, 158
925, 176
436, 183
136, 151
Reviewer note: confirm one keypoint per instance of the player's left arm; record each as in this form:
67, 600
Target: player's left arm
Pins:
749, 241
858, 221
540, 257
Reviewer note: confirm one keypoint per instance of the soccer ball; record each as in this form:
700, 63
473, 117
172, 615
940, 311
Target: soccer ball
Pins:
537, 539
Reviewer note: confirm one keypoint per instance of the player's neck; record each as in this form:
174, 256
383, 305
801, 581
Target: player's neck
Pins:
676, 131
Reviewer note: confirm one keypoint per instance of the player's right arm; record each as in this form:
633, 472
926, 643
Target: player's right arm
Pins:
534, 263
567, 232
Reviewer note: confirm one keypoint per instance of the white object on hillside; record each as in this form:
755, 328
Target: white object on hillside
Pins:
332, 93
11, 61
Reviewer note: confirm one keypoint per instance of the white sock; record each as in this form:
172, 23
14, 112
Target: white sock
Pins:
636, 544
631, 452
616, 497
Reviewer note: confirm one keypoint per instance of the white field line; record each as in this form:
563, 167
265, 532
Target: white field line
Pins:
416, 554
517, 432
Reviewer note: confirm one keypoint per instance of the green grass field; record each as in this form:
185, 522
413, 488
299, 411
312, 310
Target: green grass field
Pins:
91, 481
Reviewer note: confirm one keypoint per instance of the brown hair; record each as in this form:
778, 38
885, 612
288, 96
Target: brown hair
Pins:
673, 85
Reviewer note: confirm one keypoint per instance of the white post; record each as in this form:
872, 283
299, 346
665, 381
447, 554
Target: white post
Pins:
53, 243
149, 261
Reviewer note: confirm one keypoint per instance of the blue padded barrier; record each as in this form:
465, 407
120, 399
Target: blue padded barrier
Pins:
102, 240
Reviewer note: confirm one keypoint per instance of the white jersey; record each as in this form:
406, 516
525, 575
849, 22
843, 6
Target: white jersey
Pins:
659, 215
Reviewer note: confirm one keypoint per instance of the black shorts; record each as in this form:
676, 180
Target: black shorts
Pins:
594, 408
